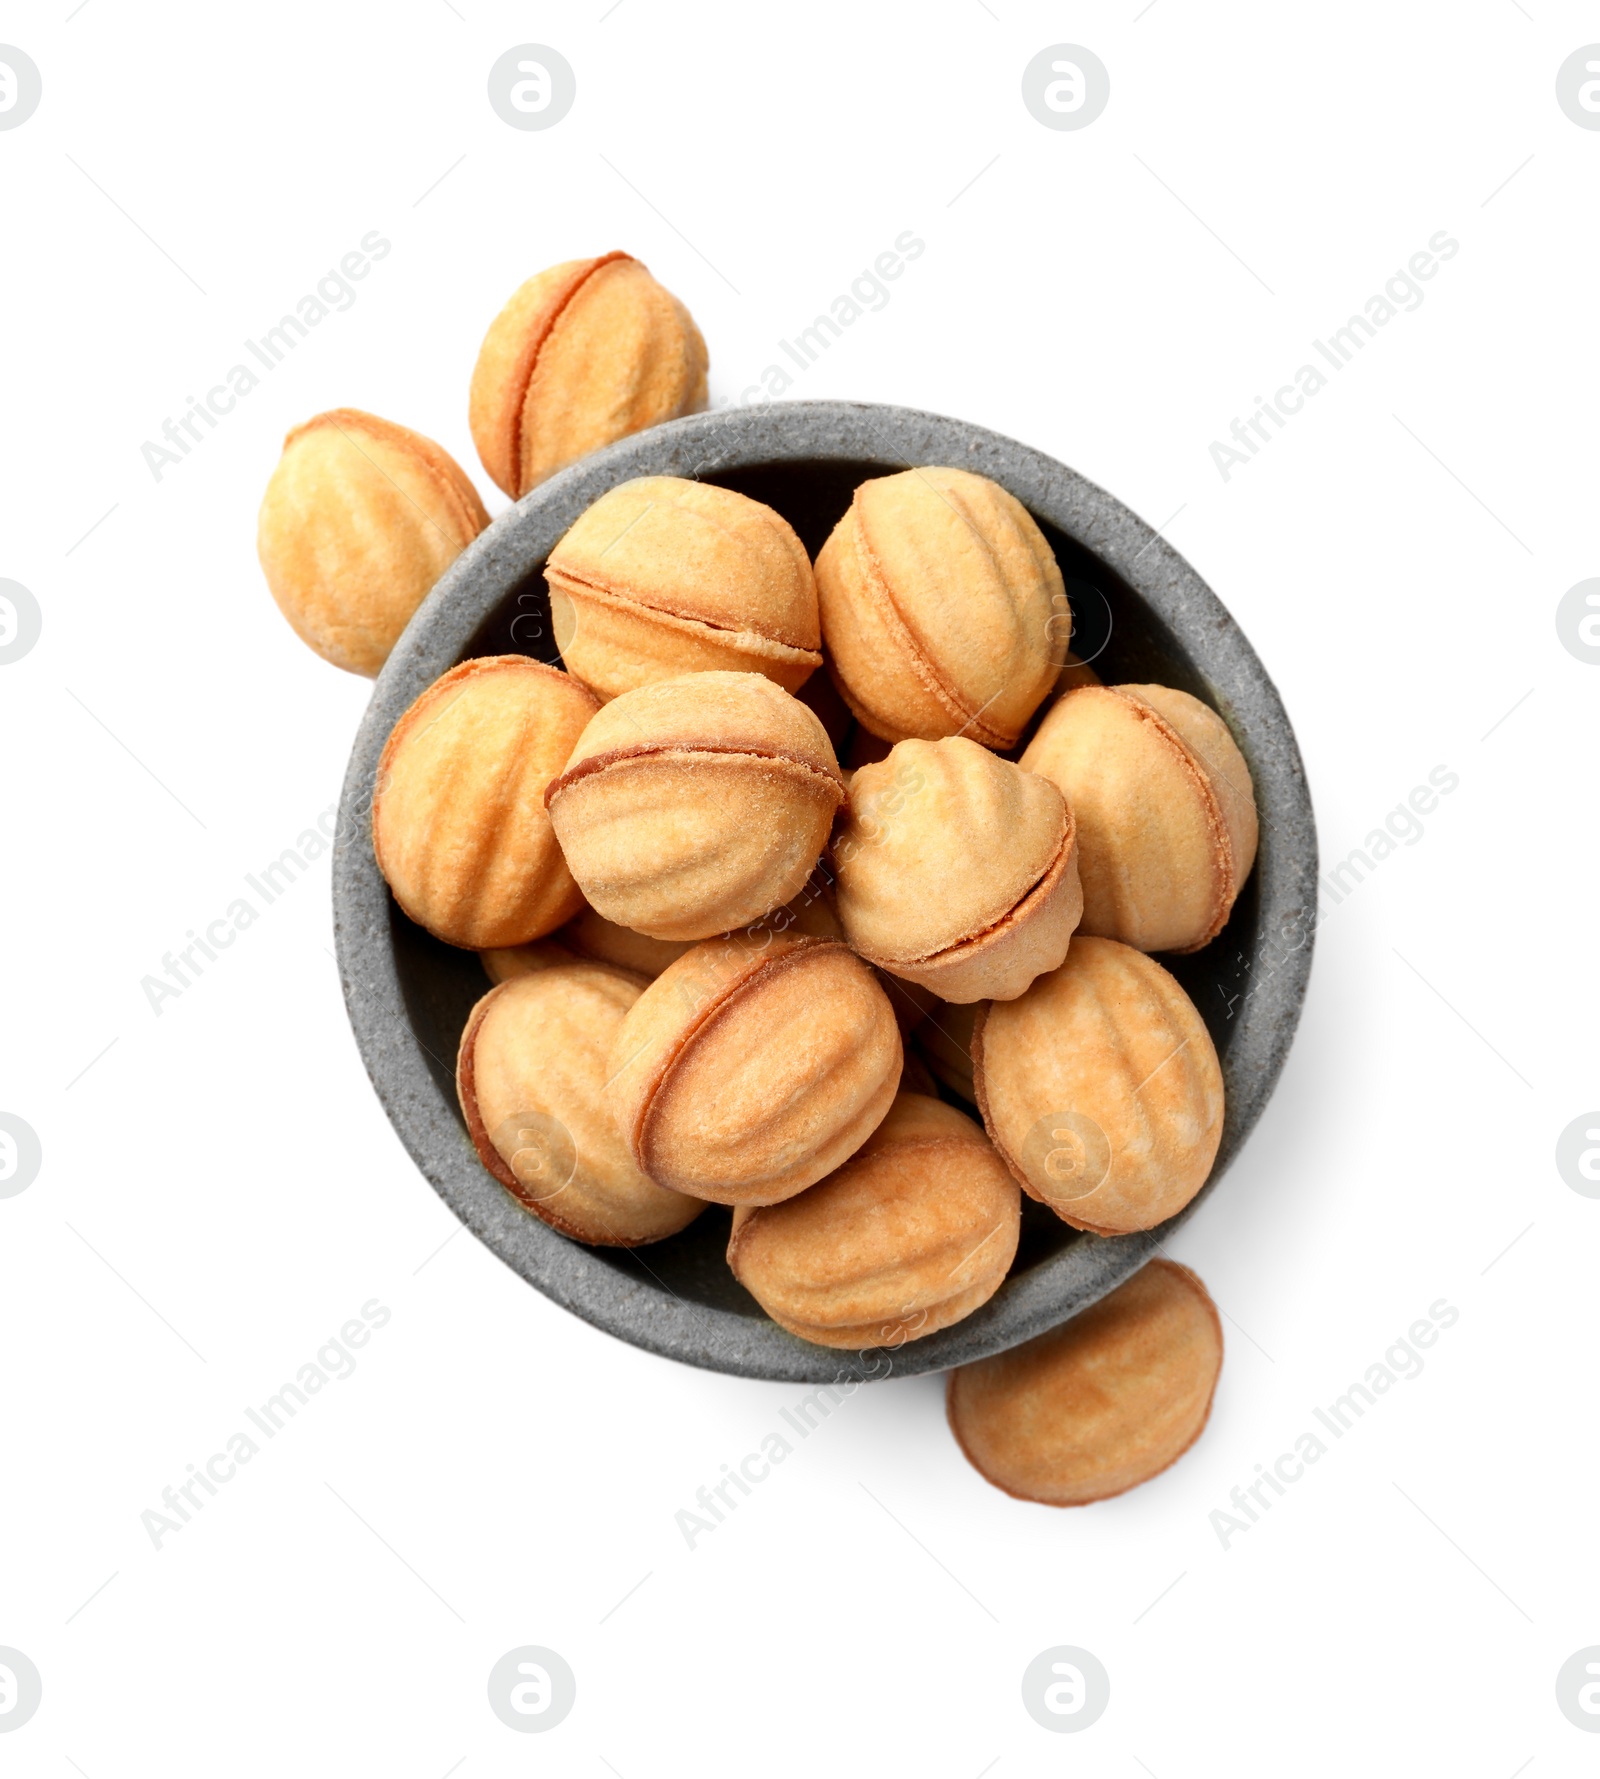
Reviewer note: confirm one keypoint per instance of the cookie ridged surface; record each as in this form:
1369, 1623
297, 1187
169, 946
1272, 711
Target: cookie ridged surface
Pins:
583, 354
1100, 1404
531, 1076
1101, 1088
359, 520
1167, 826
663, 576
695, 805
943, 610
752, 1067
458, 820
957, 870
916, 1230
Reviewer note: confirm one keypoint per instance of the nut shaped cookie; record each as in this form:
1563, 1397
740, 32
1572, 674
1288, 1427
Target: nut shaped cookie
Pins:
583, 354
916, 1230
1101, 1088
752, 1067
943, 610
1100, 1404
695, 805
531, 1076
458, 819
957, 870
359, 520
1166, 812
662, 577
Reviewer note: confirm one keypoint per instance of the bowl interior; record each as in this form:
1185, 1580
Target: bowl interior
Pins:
1113, 627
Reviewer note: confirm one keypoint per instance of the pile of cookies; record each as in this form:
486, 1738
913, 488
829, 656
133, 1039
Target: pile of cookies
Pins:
786, 861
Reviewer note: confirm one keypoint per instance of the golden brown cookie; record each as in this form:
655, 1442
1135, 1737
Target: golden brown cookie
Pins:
943, 610
582, 355
662, 577
916, 1230
589, 934
531, 1076
1101, 1088
502, 962
1100, 1404
695, 805
359, 520
458, 821
1166, 811
752, 1067
1074, 673
957, 870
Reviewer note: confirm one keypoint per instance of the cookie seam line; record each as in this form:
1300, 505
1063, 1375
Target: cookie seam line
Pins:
1055, 868
763, 969
556, 315
1224, 866
571, 583
587, 768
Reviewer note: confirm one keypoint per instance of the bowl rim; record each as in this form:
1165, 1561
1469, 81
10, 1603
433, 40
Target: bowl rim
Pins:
500, 559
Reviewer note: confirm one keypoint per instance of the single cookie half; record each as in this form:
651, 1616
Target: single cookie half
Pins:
591, 935
1100, 1404
501, 963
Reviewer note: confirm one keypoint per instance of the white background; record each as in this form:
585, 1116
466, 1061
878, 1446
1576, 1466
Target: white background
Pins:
220, 1190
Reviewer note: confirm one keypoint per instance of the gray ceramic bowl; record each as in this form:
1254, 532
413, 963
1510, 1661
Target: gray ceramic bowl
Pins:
1139, 610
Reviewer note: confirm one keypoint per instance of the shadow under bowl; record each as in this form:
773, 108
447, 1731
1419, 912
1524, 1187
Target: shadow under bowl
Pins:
1140, 613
